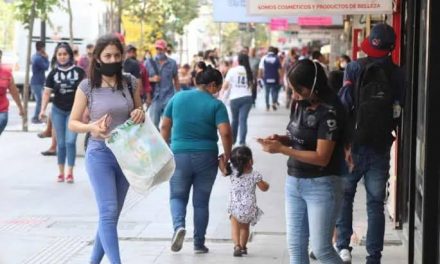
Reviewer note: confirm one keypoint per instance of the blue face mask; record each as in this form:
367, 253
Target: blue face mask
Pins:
161, 56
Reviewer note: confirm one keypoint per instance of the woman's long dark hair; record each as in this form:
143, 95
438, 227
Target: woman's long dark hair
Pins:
101, 44
243, 60
240, 158
208, 75
62, 45
302, 75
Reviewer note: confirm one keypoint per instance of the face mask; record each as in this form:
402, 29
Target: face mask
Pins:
110, 69
161, 56
343, 64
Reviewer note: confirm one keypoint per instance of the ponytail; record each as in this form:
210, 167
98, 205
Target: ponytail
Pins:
243, 60
240, 158
208, 75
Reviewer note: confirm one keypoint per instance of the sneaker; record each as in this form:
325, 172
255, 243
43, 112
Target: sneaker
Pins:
201, 249
345, 255
237, 251
177, 241
69, 178
312, 256
60, 178
274, 107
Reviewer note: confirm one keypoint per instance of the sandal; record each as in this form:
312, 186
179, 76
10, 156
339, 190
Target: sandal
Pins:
237, 251
244, 251
44, 135
49, 153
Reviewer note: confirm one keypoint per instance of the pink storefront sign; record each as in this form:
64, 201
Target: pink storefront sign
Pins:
279, 24
315, 21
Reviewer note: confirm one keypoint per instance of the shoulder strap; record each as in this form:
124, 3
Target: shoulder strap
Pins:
154, 65
127, 79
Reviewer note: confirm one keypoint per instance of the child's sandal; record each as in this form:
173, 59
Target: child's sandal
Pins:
244, 251
237, 251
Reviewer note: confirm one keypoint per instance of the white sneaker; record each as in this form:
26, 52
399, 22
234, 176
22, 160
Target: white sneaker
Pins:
345, 255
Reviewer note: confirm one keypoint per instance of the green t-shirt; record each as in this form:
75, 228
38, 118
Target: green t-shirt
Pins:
195, 115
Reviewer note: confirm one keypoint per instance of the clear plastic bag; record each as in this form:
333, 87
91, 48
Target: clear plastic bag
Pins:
142, 154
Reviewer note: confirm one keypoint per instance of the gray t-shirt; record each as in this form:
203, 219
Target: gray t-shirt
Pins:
103, 100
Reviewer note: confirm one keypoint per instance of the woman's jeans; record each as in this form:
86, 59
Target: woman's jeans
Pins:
3, 121
311, 208
110, 187
66, 139
196, 169
240, 108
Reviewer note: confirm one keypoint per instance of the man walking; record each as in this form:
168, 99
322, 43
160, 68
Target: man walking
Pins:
371, 94
164, 77
271, 71
40, 64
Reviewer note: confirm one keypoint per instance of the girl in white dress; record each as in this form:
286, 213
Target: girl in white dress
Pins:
243, 210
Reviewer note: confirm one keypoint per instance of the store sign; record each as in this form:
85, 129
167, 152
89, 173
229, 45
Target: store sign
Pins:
318, 7
315, 21
279, 24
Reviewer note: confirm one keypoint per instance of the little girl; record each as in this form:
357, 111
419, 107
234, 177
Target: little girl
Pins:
242, 209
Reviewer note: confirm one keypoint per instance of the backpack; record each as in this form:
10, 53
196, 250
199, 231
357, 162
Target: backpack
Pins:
373, 102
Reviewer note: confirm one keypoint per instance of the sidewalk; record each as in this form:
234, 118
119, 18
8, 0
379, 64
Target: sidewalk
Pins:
42, 221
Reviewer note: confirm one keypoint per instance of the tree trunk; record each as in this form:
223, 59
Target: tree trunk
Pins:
144, 6
28, 59
118, 26
69, 9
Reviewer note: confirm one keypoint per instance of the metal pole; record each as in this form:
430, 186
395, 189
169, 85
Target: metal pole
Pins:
43, 31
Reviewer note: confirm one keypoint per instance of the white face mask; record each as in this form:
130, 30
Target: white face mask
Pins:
343, 64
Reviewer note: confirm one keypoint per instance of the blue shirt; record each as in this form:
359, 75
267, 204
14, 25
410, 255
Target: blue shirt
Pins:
164, 89
40, 64
195, 116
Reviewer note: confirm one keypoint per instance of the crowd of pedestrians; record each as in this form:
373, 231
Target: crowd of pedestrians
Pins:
330, 141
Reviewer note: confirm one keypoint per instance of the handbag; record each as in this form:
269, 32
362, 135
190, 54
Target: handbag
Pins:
143, 155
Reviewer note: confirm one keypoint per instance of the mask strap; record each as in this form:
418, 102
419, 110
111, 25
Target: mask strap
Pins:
314, 80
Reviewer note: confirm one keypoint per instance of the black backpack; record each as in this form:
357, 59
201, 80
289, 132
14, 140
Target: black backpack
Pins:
373, 101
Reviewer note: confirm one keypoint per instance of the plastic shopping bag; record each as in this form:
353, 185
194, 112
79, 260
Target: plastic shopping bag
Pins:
143, 155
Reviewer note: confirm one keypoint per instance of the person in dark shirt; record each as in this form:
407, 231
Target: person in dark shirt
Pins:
129, 67
63, 81
313, 145
40, 64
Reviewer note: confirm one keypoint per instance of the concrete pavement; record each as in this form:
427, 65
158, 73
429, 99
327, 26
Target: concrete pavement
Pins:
42, 221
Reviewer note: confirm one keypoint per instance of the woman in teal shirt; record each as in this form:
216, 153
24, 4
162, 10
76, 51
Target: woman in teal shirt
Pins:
193, 119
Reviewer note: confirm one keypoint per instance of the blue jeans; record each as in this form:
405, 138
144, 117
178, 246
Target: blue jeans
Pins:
3, 121
156, 110
240, 108
110, 187
272, 89
374, 167
199, 170
66, 139
37, 91
311, 210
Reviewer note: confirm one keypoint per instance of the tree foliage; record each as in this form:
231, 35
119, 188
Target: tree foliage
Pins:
160, 18
43, 8
6, 25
